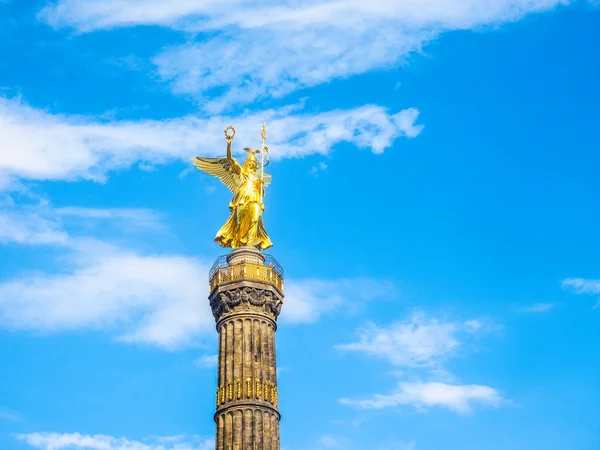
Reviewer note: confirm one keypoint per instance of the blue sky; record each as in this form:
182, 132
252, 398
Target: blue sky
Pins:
433, 204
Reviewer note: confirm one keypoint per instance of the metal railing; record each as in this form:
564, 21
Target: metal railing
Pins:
220, 263
270, 271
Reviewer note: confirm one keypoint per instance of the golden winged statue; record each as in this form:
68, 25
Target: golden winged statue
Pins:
244, 226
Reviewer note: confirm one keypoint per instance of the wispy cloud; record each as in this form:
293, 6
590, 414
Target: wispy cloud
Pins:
317, 168
395, 445
139, 298
458, 398
280, 48
583, 286
307, 300
40, 146
417, 341
133, 296
59, 441
6, 414
422, 345
136, 297
251, 14
30, 226
539, 308
331, 441
207, 361
268, 49
36, 222
274, 61
410, 446
133, 216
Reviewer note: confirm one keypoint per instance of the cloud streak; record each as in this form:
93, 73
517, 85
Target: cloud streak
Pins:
417, 341
60, 441
91, 15
151, 299
9, 415
307, 300
37, 145
251, 49
135, 297
457, 398
207, 361
539, 308
422, 344
582, 285
30, 226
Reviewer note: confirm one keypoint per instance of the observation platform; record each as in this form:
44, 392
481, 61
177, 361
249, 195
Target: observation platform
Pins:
246, 263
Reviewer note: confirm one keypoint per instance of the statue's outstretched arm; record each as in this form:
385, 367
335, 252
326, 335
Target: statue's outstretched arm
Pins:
229, 157
233, 165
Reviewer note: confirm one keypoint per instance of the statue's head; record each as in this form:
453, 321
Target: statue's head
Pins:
251, 162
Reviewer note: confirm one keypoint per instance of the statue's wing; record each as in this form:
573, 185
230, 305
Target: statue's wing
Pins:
225, 170
268, 177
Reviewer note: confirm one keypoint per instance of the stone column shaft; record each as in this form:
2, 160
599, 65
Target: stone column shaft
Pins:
246, 301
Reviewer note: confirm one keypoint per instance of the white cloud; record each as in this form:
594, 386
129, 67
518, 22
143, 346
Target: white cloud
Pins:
153, 299
415, 342
458, 398
307, 300
330, 441
147, 298
317, 168
38, 223
126, 220
269, 51
422, 344
539, 308
59, 441
207, 361
31, 226
6, 414
40, 146
133, 216
238, 69
399, 446
90, 15
473, 326
582, 286
269, 48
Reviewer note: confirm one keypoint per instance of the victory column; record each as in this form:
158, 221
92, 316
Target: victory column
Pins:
246, 294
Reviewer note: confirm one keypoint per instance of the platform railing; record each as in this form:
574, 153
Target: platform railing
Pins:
270, 271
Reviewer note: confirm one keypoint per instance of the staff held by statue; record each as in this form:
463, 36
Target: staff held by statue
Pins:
264, 150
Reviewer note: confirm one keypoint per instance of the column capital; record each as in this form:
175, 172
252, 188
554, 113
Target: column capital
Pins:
246, 297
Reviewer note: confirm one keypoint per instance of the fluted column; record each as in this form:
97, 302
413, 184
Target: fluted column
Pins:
246, 300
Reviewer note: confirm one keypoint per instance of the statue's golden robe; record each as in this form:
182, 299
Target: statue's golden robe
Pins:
245, 225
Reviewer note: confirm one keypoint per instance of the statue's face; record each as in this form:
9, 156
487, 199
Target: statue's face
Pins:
250, 164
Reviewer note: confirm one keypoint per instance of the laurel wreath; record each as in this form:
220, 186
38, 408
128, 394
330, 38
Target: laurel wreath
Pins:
229, 137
